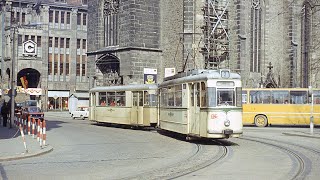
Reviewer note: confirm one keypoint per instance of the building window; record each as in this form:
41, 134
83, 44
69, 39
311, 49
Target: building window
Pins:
56, 40
61, 42
256, 36
84, 44
56, 16
84, 20
78, 66
111, 8
50, 16
61, 63
50, 41
68, 43
23, 21
84, 57
60, 1
62, 17
19, 40
68, 17
78, 43
50, 64
56, 59
79, 19
67, 64
84, 2
39, 41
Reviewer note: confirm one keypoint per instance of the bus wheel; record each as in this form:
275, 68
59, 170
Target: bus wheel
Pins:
261, 121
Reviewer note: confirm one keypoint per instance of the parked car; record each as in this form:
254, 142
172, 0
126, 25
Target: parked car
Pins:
81, 112
33, 111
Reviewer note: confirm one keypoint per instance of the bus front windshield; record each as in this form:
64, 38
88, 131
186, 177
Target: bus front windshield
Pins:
225, 97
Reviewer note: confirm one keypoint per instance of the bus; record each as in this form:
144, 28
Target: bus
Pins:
201, 103
280, 106
134, 105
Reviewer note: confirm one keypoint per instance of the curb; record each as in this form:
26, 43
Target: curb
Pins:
27, 155
302, 135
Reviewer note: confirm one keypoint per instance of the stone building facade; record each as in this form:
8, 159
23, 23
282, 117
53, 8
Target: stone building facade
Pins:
251, 37
47, 41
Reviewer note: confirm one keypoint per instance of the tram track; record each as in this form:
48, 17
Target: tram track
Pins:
202, 158
300, 171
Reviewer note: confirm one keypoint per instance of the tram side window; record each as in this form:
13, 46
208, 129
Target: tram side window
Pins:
212, 99
298, 97
120, 98
178, 96
260, 97
316, 96
171, 96
111, 96
192, 95
140, 98
164, 97
225, 97
203, 95
150, 99
280, 97
102, 99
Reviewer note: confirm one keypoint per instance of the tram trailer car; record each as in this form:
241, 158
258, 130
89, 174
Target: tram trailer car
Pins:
134, 105
202, 103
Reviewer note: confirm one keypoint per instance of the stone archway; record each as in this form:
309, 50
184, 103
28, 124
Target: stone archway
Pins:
30, 76
109, 66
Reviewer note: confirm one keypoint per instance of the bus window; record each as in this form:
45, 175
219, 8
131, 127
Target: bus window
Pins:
280, 97
203, 95
244, 97
298, 97
178, 96
212, 100
225, 97
316, 96
260, 97
102, 98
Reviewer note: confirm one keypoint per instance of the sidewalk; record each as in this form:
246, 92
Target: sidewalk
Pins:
305, 132
12, 146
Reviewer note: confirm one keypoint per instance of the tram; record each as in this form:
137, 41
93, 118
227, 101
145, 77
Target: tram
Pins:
202, 103
134, 105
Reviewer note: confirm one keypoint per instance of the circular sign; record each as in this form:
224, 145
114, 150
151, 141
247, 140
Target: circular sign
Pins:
29, 47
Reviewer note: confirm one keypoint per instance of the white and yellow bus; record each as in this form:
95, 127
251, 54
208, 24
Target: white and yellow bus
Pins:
280, 106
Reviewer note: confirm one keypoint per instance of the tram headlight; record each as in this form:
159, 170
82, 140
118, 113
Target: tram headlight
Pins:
227, 123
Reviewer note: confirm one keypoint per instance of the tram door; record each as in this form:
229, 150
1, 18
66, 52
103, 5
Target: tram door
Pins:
137, 108
194, 109
92, 111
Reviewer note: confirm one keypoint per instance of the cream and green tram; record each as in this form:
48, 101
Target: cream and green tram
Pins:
134, 105
202, 103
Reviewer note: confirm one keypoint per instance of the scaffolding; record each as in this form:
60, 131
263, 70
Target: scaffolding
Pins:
216, 34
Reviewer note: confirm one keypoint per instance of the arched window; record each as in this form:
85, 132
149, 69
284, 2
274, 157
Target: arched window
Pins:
111, 26
256, 19
305, 43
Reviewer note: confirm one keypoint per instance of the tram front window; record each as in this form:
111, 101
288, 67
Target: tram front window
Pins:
225, 97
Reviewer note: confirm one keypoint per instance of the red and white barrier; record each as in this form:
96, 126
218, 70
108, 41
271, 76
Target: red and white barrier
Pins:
29, 125
38, 130
44, 135
33, 127
24, 140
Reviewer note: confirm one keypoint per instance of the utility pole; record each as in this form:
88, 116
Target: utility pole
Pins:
2, 45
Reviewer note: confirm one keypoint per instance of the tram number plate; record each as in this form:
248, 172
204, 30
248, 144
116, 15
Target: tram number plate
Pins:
228, 131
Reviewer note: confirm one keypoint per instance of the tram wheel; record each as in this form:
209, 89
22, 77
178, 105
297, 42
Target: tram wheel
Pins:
261, 121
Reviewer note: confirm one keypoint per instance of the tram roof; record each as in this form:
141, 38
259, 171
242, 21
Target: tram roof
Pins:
198, 75
131, 87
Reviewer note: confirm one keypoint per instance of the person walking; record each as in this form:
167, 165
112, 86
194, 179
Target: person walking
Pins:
4, 113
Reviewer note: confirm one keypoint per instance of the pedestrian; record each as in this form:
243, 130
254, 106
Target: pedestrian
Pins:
4, 113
